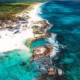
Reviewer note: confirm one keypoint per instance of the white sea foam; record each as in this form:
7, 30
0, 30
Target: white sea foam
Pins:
56, 46
34, 13
39, 10
52, 40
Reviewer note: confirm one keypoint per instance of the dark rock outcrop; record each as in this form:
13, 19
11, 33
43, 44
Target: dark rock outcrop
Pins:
43, 51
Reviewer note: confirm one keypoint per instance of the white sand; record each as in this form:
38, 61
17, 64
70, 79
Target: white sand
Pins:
15, 42
9, 43
34, 13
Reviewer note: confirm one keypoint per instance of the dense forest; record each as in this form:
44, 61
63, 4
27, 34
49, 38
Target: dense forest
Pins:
10, 7
8, 10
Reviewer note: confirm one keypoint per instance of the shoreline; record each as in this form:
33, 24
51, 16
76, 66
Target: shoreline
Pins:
9, 43
43, 55
17, 42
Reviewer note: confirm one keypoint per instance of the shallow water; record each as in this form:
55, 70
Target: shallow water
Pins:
38, 43
65, 17
11, 67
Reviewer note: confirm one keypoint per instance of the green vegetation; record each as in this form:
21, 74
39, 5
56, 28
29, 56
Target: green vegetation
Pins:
28, 16
0, 36
41, 22
35, 27
37, 32
8, 10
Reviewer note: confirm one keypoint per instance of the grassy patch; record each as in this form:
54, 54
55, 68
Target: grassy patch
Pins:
8, 10
35, 27
37, 32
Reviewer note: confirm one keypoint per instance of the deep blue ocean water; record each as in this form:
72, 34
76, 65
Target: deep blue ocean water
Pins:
65, 17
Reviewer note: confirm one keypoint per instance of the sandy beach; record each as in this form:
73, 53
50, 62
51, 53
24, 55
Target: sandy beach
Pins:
12, 42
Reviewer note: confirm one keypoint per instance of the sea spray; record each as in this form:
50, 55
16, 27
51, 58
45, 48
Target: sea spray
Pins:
34, 13
52, 40
56, 46
50, 26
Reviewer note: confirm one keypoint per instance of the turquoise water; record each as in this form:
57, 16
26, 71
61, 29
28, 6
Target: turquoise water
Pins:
38, 43
11, 67
65, 17
11, 63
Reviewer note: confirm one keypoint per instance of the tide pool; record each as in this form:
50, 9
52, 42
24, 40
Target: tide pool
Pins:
39, 43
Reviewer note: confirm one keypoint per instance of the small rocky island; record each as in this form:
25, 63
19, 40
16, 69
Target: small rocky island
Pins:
42, 51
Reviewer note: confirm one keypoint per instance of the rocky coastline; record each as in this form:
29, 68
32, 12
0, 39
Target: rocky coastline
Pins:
41, 55
42, 51
41, 36
47, 70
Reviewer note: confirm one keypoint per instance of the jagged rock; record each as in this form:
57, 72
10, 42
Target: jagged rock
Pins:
43, 64
51, 71
42, 51
60, 72
23, 63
